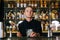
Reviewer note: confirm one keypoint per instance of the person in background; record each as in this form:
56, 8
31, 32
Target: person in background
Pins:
29, 23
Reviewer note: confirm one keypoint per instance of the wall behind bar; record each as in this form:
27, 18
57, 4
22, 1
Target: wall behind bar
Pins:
1, 10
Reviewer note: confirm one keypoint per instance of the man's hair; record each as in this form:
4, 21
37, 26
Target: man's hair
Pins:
27, 7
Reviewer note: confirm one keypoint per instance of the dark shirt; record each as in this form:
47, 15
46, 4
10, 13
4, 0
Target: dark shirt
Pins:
33, 24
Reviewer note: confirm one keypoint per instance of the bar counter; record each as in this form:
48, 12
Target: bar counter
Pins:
36, 38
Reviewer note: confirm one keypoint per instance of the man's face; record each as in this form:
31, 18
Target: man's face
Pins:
28, 12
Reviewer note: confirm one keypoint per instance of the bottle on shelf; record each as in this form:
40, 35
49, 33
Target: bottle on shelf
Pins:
32, 4
50, 33
47, 16
17, 15
41, 4
11, 15
40, 16
43, 25
6, 15
8, 5
35, 15
54, 14
10, 31
56, 5
13, 28
22, 4
25, 3
46, 25
18, 4
7, 28
12, 5
35, 5
43, 15
52, 5
23, 17
20, 15
45, 4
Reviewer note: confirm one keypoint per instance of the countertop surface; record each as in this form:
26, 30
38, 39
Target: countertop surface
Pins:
35, 38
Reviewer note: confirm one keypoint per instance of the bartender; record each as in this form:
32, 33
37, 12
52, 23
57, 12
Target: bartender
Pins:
29, 23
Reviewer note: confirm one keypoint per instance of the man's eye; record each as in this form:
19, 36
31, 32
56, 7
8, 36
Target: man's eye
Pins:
29, 11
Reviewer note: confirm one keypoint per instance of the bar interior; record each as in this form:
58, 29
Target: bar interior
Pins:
46, 11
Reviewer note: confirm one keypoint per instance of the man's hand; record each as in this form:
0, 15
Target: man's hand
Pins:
19, 34
33, 34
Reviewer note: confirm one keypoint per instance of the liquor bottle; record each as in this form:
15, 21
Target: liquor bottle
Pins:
35, 5
43, 15
52, 5
6, 15
13, 28
32, 4
9, 15
49, 32
29, 3
47, 16
22, 4
56, 5
42, 25
17, 15
41, 4
45, 4
8, 5
10, 35
7, 28
25, 3
40, 16
56, 14
46, 25
12, 5
17, 3
36, 15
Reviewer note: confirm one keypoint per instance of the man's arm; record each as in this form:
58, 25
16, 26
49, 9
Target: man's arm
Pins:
19, 33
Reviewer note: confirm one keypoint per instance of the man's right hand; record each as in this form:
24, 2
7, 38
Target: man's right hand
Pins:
33, 34
19, 34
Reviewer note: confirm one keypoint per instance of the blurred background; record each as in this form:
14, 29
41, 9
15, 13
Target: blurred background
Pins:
46, 11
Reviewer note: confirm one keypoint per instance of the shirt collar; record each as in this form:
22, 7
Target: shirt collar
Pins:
27, 21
